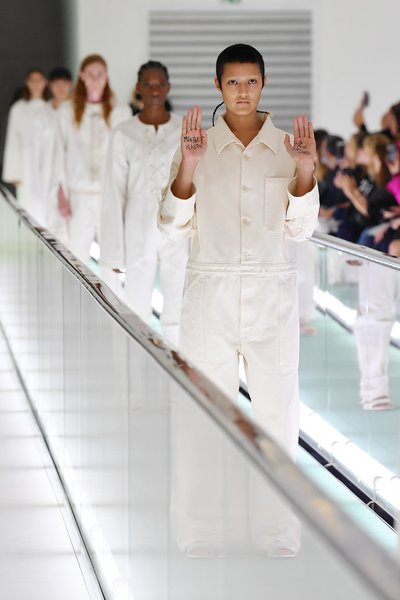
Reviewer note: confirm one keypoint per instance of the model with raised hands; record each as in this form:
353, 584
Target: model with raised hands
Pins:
84, 129
138, 164
244, 192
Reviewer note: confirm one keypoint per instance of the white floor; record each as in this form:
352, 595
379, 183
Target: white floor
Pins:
37, 557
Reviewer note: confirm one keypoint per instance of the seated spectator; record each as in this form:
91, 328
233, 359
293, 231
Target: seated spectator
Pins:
371, 200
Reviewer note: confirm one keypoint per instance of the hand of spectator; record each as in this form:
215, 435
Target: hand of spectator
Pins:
358, 117
393, 211
380, 235
326, 213
346, 183
395, 224
64, 205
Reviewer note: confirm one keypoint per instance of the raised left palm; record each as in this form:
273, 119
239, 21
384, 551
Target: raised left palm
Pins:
303, 150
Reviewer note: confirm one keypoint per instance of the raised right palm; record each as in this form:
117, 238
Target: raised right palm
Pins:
194, 138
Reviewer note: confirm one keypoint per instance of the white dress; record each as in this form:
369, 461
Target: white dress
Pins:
79, 167
20, 156
138, 166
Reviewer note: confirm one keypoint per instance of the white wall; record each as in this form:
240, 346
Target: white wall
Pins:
355, 48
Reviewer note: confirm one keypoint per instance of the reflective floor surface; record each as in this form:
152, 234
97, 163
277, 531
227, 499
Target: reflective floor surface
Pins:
37, 556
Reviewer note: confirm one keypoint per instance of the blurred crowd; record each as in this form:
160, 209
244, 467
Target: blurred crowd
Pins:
359, 181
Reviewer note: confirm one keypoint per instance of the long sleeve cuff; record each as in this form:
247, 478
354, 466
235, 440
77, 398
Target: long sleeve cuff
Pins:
175, 215
298, 205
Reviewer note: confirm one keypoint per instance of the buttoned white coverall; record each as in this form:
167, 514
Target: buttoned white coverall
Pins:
79, 167
21, 158
241, 293
138, 165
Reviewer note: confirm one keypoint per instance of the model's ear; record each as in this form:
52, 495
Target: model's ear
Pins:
216, 82
265, 80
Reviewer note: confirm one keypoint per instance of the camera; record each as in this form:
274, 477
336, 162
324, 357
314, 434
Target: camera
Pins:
365, 100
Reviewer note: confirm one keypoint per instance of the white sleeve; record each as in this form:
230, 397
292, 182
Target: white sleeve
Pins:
59, 163
176, 217
302, 213
13, 160
115, 192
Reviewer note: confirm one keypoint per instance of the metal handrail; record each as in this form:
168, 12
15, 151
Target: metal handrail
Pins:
363, 252
374, 566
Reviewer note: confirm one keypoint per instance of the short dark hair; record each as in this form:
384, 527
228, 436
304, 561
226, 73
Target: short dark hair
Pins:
152, 64
60, 73
239, 53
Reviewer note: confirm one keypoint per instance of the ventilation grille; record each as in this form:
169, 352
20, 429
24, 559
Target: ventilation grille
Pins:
188, 42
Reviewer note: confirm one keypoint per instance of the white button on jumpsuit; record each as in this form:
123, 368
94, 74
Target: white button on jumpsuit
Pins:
138, 165
79, 168
20, 155
241, 293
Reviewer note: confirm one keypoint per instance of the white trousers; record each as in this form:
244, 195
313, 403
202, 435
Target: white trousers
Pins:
224, 314
378, 294
84, 224
141, 270
307, 256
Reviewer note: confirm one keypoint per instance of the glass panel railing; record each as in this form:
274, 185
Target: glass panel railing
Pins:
350, 368
177, 493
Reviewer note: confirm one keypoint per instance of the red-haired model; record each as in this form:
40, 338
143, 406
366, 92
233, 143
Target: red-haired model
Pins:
84, 126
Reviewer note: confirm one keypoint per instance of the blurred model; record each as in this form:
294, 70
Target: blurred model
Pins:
19, 167
84, 128
139, 159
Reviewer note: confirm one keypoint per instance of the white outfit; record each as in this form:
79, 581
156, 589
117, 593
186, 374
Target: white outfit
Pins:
378, 294
138, 165
45, 147
80, 165
241, 288
20, 155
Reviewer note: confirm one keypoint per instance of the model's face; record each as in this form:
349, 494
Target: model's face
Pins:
241, 86
60, 89
95, 78
153, 88
36, 84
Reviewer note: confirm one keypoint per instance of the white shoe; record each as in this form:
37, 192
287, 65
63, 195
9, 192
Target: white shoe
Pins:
279, 549
200, 549
382, 403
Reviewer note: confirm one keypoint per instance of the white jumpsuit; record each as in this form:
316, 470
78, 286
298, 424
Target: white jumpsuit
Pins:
79, 168
20, 155
241, 292
138, 166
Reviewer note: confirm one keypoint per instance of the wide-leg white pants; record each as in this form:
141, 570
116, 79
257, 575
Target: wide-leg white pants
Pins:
84, 224
141, 270
227, 313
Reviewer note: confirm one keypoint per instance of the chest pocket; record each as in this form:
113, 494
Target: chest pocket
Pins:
275, 203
